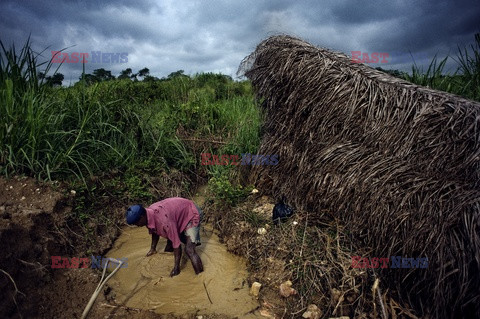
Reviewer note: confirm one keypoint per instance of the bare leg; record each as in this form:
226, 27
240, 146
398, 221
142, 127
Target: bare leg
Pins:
192, 254
168, 247
177, 252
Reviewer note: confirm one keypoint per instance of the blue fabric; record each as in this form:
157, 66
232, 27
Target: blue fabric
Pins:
133, 214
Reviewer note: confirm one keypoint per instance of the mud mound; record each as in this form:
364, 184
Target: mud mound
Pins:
29, 235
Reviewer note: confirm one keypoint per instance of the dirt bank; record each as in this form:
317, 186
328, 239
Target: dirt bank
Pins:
37, 221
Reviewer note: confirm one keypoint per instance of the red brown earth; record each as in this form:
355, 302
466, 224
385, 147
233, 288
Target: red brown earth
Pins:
35, 224
33, 227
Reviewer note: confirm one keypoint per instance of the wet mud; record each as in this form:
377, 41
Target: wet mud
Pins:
145, 282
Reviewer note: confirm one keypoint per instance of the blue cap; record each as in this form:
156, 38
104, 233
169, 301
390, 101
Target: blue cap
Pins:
133, 214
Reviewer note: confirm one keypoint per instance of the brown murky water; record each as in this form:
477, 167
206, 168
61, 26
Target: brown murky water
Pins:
145, 283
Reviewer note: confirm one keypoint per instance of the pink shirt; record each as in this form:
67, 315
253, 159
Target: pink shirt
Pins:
169, 217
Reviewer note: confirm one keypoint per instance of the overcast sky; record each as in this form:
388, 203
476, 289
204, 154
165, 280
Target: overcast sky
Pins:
214, 36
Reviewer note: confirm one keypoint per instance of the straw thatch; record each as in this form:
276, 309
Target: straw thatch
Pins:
397, 163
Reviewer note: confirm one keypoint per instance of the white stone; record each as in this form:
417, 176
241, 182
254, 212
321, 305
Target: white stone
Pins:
261, 231
313, 312
255, 289
286, 289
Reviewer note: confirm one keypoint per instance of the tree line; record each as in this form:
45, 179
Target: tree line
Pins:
100, 75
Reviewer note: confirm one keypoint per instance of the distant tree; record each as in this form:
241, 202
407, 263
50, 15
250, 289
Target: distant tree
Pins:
395, 73
89, 78
125, 74
103, 75
149, 78
55, 80
176, 74
212, 78
144, 72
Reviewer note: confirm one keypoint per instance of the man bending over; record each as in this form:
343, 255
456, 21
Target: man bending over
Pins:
177, 219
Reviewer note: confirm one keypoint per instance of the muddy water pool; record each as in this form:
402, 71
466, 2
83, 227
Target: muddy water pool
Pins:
145, 282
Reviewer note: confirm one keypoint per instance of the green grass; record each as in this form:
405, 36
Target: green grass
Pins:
110, 139
465, 81
70, 133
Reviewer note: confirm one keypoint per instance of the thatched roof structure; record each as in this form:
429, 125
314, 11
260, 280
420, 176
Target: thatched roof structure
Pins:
397, 163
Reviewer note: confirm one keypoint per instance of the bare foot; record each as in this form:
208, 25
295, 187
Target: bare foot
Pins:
151, 252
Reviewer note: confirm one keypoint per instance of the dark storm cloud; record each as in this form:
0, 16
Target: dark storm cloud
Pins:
214, 35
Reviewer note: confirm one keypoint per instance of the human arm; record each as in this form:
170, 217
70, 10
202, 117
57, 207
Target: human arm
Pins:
177, 252
152, 250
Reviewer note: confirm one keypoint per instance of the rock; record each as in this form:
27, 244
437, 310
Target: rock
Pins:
286, 289
337, 296
261, 231
312, 312
255, 289
264, 210
266, 313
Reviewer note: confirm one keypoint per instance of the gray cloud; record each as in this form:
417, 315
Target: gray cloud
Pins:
214, 35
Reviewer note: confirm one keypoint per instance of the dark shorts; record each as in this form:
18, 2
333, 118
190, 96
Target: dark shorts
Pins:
191, 231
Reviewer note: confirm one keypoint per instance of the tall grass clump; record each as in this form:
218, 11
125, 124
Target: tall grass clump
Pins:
49, 133
22, 119
94, 127
465, 81
469, 67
